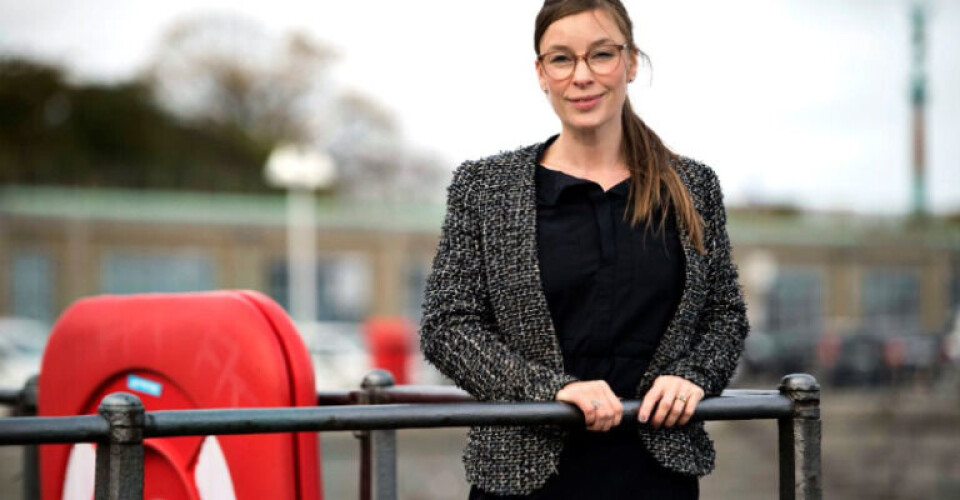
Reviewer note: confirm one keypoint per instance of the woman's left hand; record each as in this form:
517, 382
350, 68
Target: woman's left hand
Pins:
667, 389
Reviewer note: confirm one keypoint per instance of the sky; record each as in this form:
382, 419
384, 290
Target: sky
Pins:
790, 101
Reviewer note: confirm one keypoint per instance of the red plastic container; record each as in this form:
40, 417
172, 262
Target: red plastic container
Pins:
230, 349
390, 343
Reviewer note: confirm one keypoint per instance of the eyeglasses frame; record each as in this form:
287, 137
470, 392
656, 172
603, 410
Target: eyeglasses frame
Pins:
577, 57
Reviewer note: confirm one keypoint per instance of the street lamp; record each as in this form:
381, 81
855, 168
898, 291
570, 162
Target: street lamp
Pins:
759, 272
300, 171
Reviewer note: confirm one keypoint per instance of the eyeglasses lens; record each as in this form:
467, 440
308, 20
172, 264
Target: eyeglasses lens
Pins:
601, 60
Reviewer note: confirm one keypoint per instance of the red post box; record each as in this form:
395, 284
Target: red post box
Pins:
390, 342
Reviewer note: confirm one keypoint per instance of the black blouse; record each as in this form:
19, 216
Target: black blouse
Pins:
611, 288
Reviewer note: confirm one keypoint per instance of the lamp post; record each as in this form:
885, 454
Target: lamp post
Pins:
759, 272
300, 171
918, 101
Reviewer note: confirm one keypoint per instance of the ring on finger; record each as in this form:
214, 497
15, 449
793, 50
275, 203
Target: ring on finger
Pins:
596, 404
682, 398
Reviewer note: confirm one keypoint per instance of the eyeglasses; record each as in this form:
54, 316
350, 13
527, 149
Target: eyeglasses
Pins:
602, 60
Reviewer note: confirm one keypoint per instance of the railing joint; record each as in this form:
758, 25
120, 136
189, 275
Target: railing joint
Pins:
119, 469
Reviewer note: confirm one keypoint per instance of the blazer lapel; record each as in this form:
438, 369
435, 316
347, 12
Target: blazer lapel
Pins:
679, 334
513, 267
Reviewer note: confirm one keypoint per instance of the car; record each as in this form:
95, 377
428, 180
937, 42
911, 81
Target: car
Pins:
859, 360
22, 342
872, 355
777, 353
340, 358
951, 340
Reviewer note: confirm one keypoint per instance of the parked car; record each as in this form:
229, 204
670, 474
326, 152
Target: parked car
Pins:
881, 354
21, 349
951, 340
779, 353
858, 360
340, 358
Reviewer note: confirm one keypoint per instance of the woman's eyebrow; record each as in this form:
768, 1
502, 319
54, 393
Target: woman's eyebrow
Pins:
601, 41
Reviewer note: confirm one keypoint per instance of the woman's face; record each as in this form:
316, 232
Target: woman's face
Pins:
586, 101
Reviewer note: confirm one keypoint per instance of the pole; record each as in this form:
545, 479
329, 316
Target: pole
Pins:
27, 407
799, 440
378, 466
918, 100
119, 473
302, 254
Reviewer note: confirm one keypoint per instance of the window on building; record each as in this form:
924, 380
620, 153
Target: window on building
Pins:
134, 272
795, 302
416, 283
344, 286
31, 286
955, 284
891, 295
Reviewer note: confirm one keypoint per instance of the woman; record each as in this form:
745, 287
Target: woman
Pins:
588, 268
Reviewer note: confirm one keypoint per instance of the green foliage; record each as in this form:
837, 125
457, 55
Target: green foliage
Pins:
53, 132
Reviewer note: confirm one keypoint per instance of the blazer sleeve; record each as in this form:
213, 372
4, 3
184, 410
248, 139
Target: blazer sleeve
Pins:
458, 330
722, 325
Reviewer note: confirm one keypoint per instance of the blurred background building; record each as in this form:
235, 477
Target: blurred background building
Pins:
812, 280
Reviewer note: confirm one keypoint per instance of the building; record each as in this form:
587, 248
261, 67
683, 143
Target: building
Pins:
804, 273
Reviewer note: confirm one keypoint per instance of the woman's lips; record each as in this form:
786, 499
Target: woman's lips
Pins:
585, 103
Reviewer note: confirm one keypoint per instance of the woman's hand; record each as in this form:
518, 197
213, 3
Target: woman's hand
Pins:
601, 408
668, 390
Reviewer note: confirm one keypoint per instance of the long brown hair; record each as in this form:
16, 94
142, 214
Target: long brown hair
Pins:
654, 184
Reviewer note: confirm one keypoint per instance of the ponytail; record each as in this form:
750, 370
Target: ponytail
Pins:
654, 184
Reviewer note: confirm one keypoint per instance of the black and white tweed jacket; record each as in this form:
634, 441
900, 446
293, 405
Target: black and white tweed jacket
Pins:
486, 324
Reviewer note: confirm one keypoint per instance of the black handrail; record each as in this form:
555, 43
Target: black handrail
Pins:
168, 423
380, 408
48, 430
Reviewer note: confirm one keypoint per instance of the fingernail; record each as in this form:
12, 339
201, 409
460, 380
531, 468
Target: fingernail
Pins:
643, 418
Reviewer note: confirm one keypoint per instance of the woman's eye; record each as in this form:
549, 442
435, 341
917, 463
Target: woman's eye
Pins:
601, 55
559, 59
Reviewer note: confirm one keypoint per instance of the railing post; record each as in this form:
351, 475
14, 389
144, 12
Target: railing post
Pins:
27, 407
799, 440
378, 449
119, 473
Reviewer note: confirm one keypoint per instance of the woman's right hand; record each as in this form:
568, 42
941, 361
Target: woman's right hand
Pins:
601, 408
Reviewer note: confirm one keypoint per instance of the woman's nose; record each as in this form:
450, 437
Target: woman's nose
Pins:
582, 74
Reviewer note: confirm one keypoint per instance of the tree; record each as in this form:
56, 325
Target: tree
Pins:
56, 133
228, 71
374, 162
219, 94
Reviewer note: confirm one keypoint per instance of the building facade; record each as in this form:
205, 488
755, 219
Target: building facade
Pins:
802, 273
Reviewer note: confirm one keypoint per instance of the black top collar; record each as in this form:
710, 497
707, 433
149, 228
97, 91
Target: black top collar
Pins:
552, 183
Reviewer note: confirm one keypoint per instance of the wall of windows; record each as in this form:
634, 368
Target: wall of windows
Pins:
795, 301
344, 286
31, 286
131, 271
955, 285
891, 296
416, 282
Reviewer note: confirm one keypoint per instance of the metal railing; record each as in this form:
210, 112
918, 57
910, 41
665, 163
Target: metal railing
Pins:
376, 411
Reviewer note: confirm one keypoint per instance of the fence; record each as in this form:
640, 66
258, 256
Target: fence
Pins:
377, 410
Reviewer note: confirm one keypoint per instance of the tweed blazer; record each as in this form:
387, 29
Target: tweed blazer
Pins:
486, 323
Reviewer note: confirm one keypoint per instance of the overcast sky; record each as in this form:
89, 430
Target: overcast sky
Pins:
801, 101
